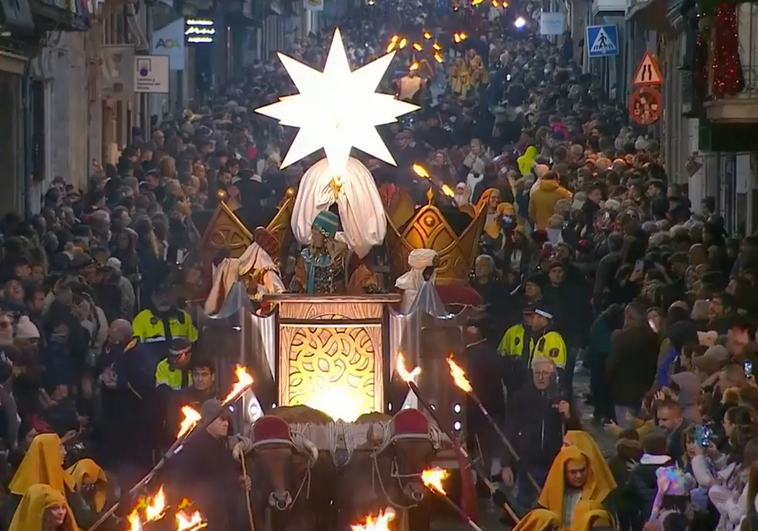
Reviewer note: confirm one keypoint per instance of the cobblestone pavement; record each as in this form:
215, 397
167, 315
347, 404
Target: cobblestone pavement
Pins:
489, 515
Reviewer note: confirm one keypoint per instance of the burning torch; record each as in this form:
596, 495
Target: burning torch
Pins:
459, 377
433, 481
191, 424
419, 170
409, 378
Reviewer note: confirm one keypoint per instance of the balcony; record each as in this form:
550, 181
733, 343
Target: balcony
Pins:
740, 105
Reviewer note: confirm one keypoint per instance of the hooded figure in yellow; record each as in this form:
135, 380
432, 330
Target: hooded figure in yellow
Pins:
41, 509
526, 160
91, 482
590, 515
571, 480
538, 520
43, 464
588, 446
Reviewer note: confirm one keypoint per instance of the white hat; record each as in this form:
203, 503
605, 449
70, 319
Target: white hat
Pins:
25, 329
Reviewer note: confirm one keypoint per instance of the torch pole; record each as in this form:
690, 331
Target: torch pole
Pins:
460, 512
172, 451
462, 450
503, 438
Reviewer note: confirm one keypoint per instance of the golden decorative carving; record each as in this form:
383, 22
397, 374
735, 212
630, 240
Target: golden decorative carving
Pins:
400, 208
429, 229
279, 227
227, 231
341, 365
330, 310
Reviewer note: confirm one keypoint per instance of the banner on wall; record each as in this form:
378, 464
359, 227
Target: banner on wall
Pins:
169, 41
313, 5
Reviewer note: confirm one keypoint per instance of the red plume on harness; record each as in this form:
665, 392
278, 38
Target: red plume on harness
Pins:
410, 422
269, 429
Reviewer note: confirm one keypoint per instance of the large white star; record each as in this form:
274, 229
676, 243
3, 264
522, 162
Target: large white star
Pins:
337, 109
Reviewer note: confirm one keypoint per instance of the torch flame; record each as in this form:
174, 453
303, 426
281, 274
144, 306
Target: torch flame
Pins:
438, 57
437, 47
459, 376
456, 37
433, 479
448, 191
189, 523
402, 43
403, 372
156, 507
463, 36
417, 47
244, 381
427, 35
414, 66
421, 171
391, 46
394, 38
191, 418
134, 521
380, 523
495, 3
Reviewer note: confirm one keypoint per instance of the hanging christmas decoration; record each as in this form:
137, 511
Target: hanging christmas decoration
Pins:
728, 79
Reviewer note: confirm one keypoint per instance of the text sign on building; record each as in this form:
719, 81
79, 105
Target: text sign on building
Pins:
200, 31
151, 73
551, 23
169, 41
602, 41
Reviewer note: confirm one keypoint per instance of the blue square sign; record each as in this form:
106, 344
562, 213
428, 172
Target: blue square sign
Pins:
602, 41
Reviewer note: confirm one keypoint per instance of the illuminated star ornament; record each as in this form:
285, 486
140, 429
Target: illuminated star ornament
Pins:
337, 109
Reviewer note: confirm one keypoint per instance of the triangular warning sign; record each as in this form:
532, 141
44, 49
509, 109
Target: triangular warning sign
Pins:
603, 43
647, 73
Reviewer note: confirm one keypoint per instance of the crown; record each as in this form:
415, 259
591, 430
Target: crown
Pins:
428, 229
227, 232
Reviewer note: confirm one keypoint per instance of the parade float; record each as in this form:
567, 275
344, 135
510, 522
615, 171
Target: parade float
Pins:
332, 340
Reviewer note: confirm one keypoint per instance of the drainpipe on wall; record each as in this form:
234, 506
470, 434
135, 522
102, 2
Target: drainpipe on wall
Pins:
26, 111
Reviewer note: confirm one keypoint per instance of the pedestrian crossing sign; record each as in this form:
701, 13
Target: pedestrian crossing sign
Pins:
602, 41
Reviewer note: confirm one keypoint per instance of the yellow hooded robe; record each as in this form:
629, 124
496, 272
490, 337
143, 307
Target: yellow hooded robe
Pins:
30, 515
87, 472
554, 490
538, 520
588, 446
589, 514
43, 463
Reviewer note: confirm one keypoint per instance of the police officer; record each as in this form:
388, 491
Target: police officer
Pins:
174, 371
163, 321
531, 339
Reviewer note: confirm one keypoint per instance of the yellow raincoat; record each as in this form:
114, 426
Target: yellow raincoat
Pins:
30, 515
87, 472
43, 463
